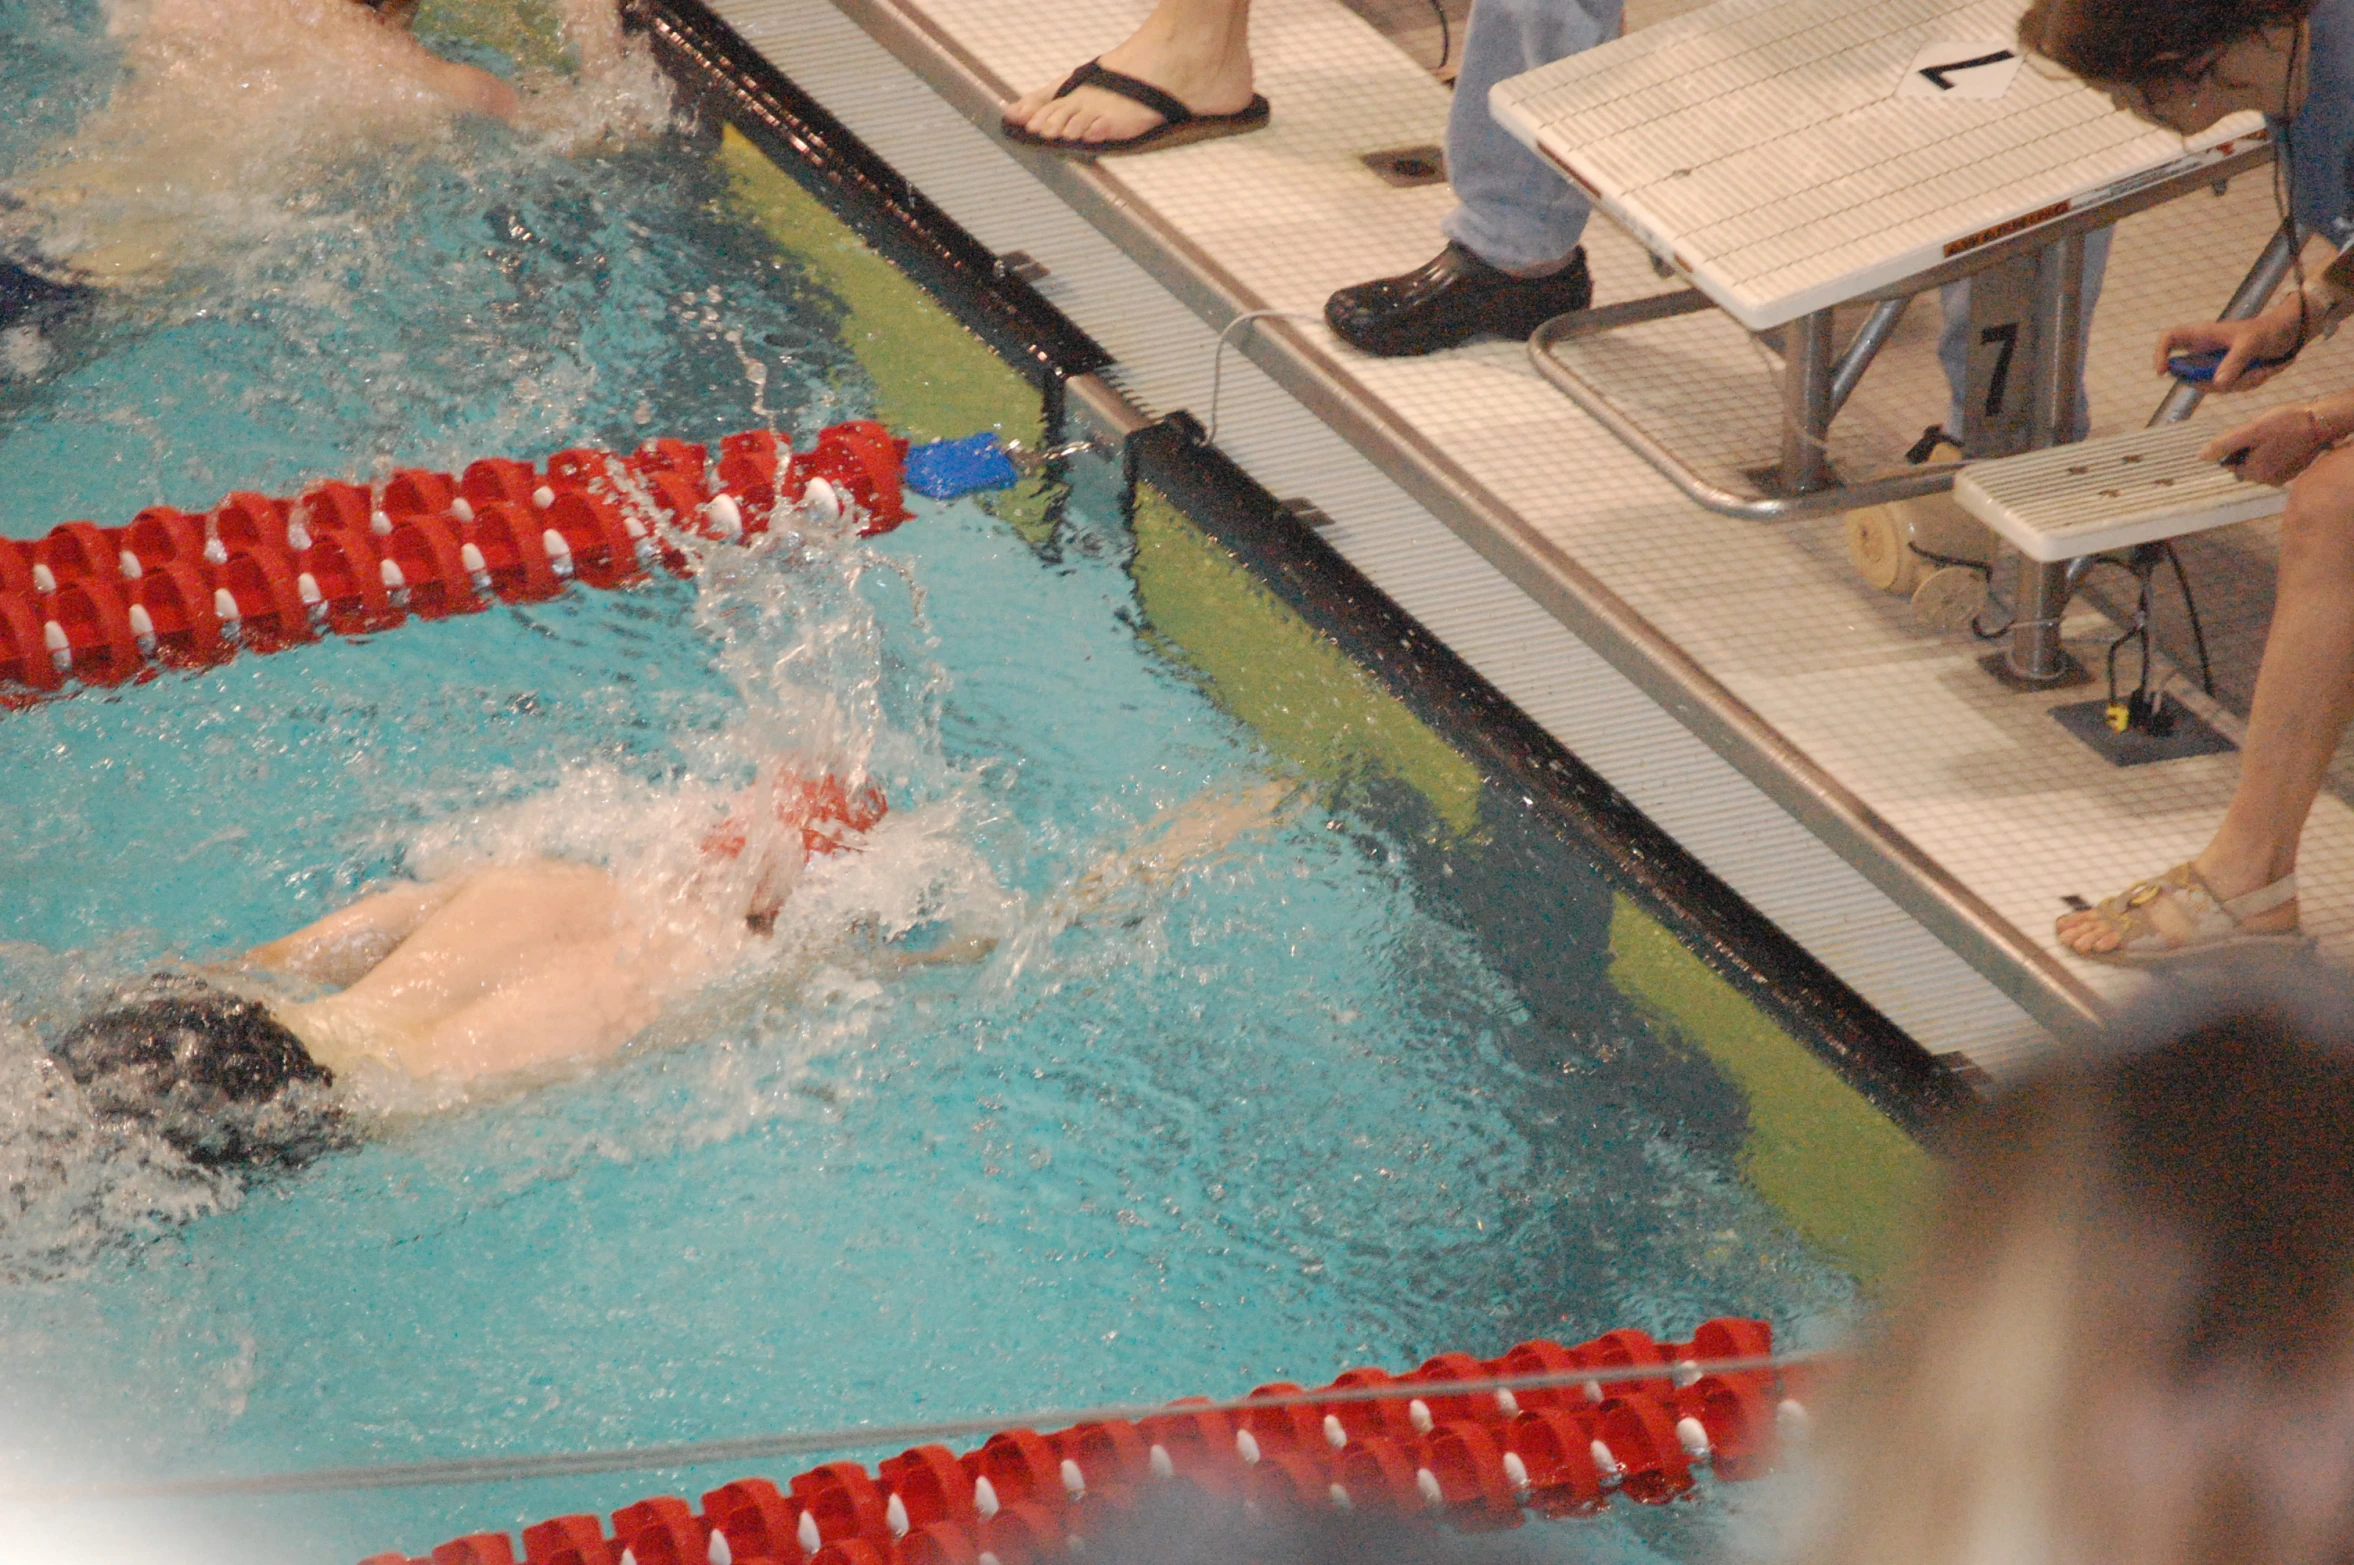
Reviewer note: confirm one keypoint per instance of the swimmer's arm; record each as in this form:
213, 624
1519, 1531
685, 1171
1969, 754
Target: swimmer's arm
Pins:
467, 88
345, 946
962, 945
1174, 842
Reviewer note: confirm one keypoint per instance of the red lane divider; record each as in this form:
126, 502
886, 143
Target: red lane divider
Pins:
1476, 1460
94, 605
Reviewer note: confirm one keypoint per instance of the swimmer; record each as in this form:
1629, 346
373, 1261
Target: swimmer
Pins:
224, 100
509, 971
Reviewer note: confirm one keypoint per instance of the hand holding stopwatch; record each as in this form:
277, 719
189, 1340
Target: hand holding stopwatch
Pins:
2198, 369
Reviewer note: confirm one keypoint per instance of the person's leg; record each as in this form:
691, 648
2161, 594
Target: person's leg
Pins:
1514, 210
1197, 51
1512, 260
1953, 336
2304, 696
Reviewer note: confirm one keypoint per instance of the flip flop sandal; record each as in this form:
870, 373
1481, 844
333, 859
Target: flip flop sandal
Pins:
2215, 922
1178, 125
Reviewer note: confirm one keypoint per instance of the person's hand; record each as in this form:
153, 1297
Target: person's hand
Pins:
2276, 334
2272, 449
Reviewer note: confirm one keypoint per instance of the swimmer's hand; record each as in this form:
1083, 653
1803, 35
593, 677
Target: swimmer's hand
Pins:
2281, 444
2276, 335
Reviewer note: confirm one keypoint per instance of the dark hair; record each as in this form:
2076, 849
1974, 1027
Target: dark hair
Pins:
2148, 1232
218, 1077
2132, 43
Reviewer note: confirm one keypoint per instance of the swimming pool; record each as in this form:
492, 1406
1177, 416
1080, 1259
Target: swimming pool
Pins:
1369, 1084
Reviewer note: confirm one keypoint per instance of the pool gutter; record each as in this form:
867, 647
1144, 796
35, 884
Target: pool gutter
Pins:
1957, 916
727, 80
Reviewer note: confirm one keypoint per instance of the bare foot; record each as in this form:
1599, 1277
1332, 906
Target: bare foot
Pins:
1197, 51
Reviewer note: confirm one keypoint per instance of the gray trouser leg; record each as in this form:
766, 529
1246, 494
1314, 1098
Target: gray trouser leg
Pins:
1953, 339
1516, 212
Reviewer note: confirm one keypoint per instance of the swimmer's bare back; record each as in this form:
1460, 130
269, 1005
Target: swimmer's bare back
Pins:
498, 971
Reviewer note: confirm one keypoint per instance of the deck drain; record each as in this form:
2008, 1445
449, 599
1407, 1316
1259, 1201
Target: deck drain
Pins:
1406, 167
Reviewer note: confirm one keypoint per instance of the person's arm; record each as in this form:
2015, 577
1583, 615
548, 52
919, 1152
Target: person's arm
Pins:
2280, 332
345, 946
467, 88
2282, 443
404, 64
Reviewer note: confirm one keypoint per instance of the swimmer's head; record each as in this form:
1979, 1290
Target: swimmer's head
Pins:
812, 816
400, 12
215, 1075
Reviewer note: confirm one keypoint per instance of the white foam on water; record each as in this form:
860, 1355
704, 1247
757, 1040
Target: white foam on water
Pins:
231, 130
72, 1187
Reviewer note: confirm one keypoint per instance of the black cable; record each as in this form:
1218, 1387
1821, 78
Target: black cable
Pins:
1982, 567
1446, 36
2117, 646
1985, 570
2190, 606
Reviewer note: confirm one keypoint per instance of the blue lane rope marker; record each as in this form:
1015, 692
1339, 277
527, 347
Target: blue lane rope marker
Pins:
948, 468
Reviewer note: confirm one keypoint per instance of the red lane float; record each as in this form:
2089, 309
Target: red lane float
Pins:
1475, 1460
94, 605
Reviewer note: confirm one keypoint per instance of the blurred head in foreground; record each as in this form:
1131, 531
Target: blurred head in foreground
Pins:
2131, 1337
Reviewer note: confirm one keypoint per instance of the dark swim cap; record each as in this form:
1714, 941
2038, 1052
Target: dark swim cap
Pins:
217, 1076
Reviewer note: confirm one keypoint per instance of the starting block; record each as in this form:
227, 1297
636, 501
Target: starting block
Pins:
2065, 502
2063, 506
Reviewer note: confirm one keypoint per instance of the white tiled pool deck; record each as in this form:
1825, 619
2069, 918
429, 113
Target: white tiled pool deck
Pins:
1853, 774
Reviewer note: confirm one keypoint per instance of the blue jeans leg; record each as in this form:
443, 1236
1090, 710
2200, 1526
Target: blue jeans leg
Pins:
1516, 212
1953, 338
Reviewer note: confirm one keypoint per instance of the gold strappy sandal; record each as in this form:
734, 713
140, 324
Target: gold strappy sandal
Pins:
2216, 923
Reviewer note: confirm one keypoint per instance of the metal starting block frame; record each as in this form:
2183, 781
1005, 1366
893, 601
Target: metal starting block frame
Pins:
1782, 157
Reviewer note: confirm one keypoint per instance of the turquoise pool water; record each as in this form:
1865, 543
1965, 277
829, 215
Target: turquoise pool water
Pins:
1304, 1104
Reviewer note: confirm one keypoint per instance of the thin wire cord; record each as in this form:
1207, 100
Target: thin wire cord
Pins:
1218, 356
2191, 606
697, 1453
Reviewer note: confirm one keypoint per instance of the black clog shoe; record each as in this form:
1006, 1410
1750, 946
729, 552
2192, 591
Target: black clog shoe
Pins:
1451, 299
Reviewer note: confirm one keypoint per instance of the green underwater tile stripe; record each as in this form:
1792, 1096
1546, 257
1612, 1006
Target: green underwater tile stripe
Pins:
1823, 1154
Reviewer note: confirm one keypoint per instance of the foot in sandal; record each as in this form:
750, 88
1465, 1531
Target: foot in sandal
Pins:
1184, 74
2178, 917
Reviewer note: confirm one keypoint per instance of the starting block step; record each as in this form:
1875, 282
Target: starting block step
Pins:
2111, 493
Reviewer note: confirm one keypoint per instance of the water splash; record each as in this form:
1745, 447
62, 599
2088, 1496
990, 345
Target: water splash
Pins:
232, 135
73, 1187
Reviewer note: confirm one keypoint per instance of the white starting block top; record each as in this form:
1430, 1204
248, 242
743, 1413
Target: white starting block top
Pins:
2064, 501
1787, 155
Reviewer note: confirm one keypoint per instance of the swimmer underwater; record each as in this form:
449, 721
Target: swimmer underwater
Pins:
507, 972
